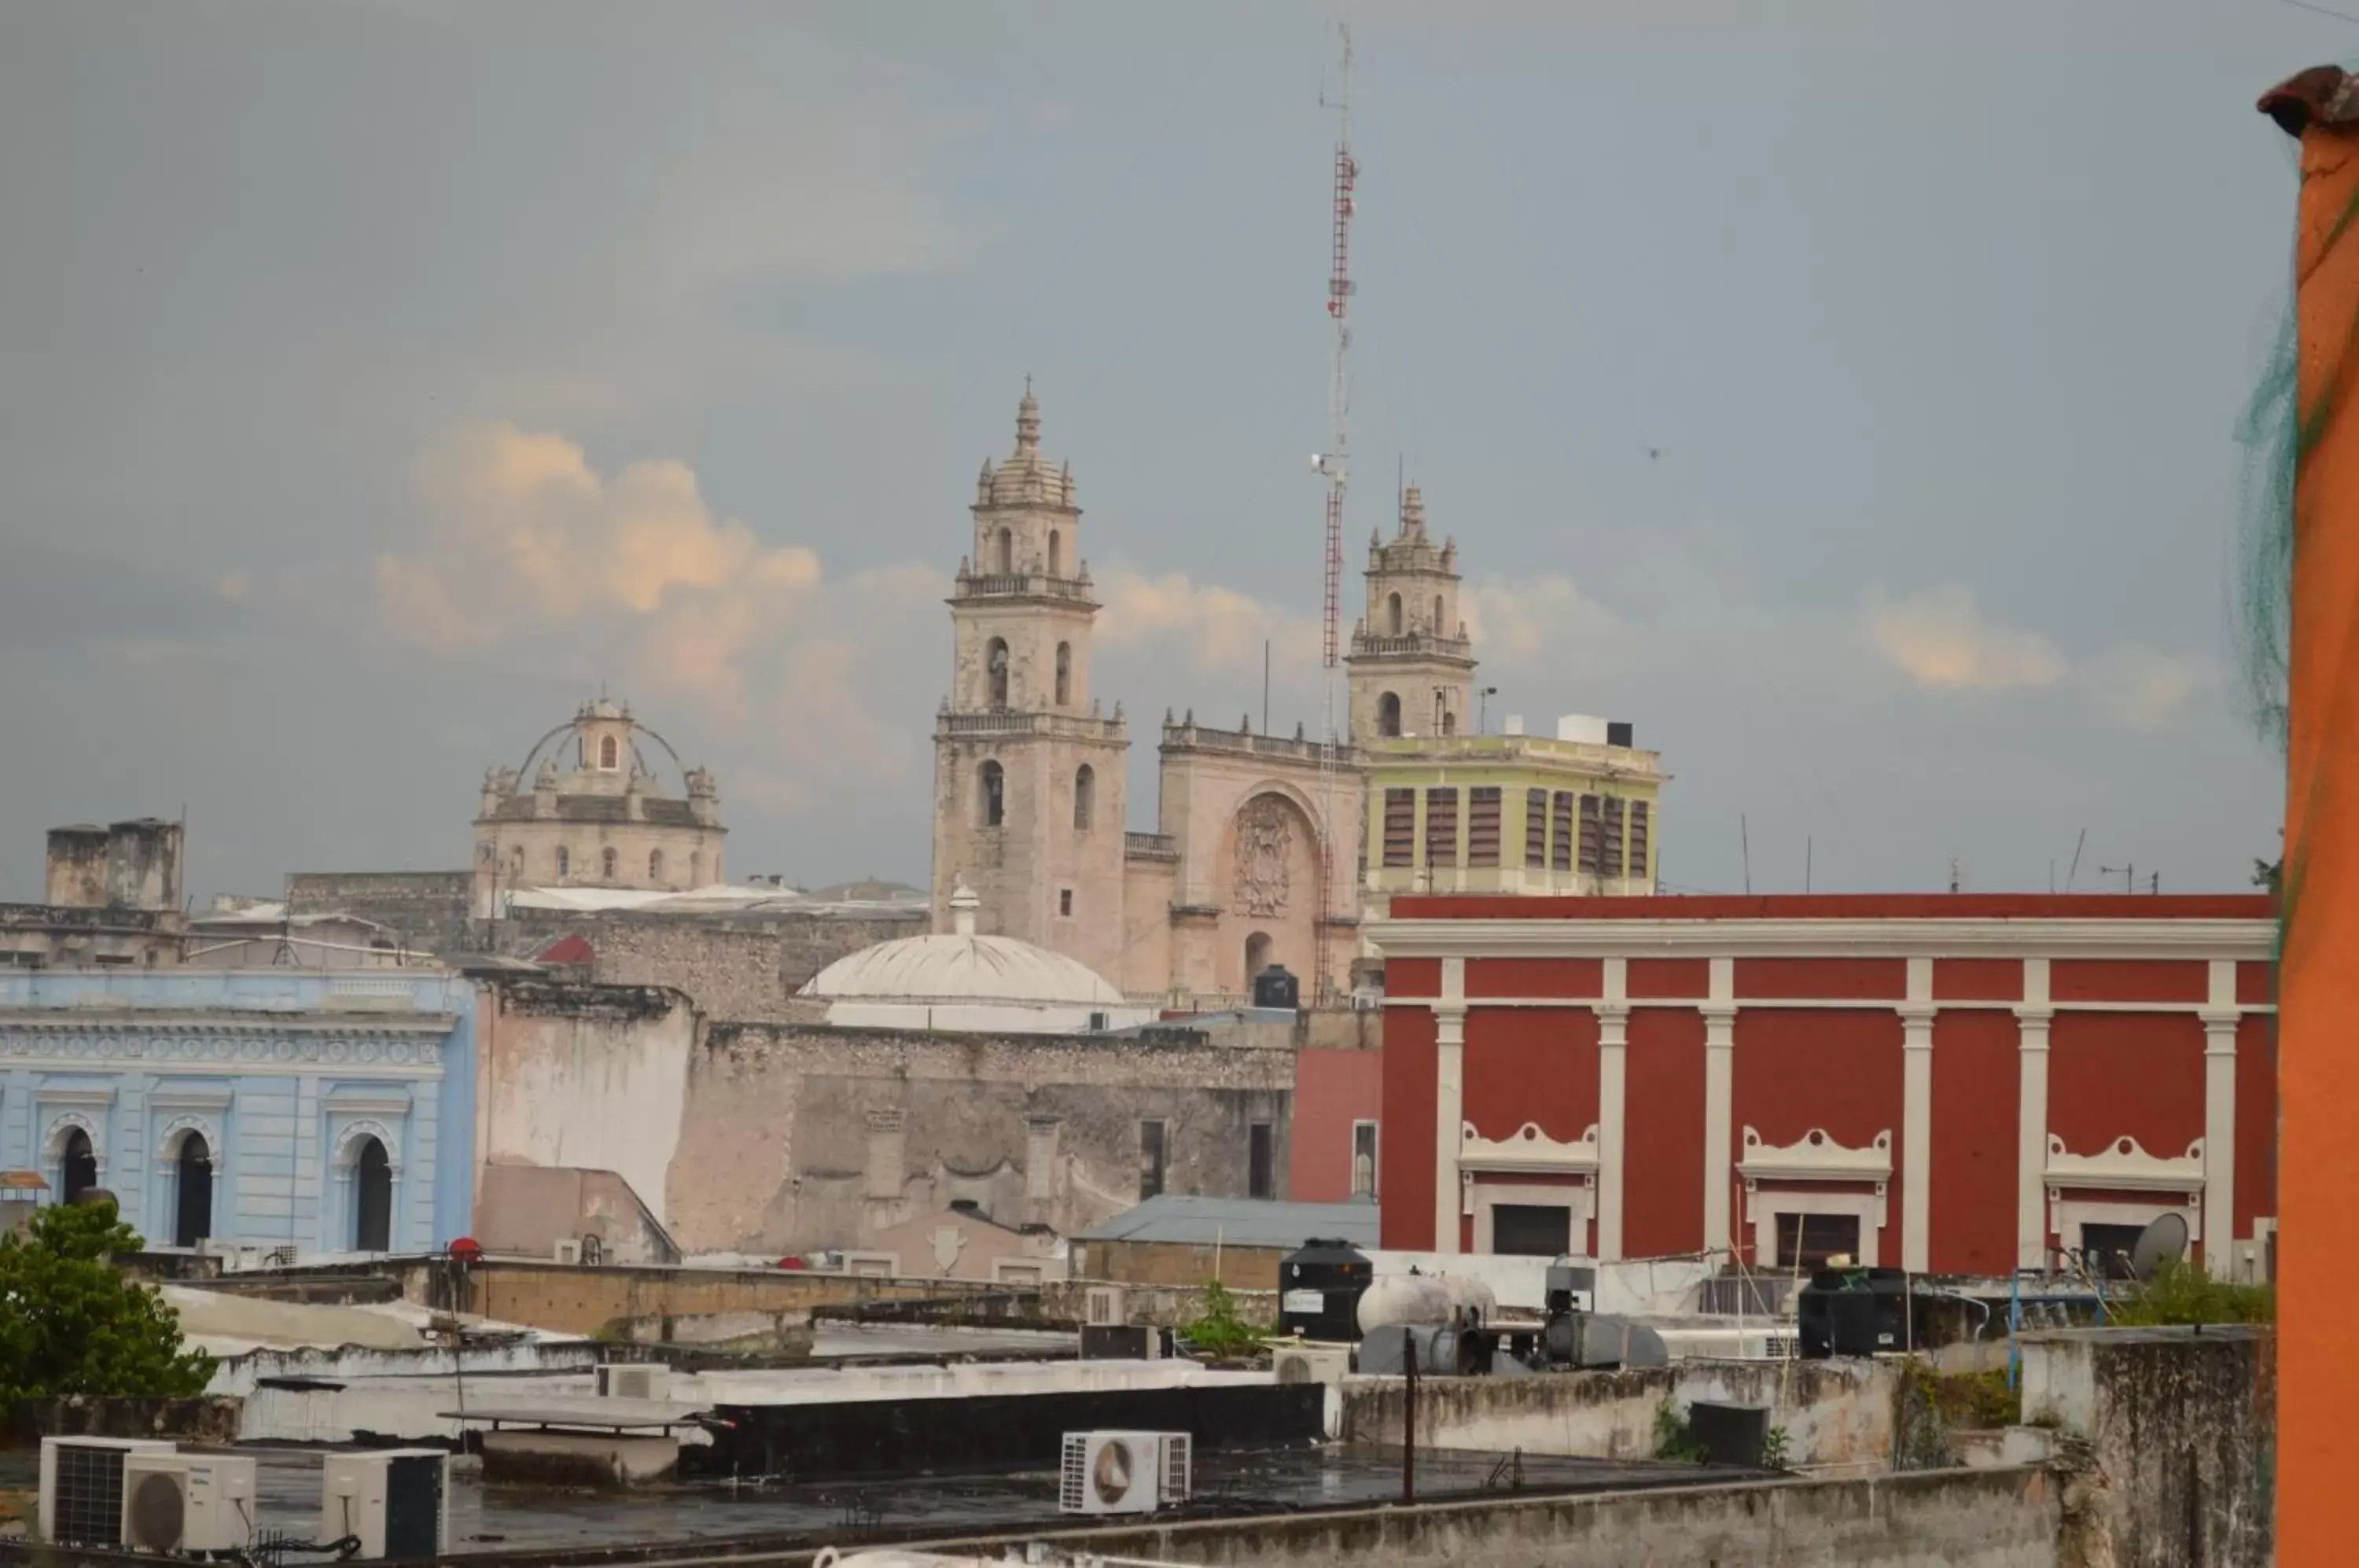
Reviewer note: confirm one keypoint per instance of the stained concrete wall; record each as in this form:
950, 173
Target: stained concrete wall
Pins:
1833, 1413
586, 1077
570, 1299
526, 1210
814, 1137
1946, 1518
2180, 1428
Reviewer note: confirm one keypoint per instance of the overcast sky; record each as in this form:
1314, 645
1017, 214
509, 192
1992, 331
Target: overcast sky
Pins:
1844, 393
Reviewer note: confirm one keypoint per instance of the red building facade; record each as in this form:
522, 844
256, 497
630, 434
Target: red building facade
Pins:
1955, 1083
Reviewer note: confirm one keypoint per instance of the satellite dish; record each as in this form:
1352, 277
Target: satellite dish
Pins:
2164, 1241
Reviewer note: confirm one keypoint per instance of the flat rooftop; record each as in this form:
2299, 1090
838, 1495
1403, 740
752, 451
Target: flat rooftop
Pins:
492, 1522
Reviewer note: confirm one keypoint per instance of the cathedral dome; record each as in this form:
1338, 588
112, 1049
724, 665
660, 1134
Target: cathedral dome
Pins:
962, 981
1027, 478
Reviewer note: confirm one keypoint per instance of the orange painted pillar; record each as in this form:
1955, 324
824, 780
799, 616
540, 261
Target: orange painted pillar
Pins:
2317, 982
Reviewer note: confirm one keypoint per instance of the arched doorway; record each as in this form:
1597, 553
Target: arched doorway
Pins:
1393, 615
77, 1167
192, 1183
1388, 714
1257, 951
371, 1198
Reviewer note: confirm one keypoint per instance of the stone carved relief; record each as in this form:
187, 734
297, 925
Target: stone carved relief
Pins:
1264, 850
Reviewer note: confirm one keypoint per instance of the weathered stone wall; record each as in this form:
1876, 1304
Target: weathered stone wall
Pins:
579, 1076
426, 909
744, 969
808, 1138
2180, 1432
575, 1299
1833, 1413
1181, 1263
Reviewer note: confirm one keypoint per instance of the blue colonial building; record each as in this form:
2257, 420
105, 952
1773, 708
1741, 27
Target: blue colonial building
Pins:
324, 1112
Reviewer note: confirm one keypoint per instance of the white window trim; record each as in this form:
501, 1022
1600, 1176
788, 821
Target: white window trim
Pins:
1375, 1159
2067, 1215
1763, 1208
1483, 1196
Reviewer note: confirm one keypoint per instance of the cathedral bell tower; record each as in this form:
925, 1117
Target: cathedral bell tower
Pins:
1029, 777
1412, 668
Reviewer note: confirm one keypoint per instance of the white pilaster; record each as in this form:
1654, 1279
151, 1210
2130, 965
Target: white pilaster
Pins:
1719, 1101
1448, 1101
2031, 1118
1916, 1135
1613, 1081
2219, 1141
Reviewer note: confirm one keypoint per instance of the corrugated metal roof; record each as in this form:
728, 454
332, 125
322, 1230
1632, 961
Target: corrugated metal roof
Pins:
1238, 1222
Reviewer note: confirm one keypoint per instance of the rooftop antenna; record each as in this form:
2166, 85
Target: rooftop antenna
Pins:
1744, 841
2128, 874
2074, 870
1336, 463
1957, 874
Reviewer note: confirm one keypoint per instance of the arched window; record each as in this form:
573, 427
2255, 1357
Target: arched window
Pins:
1256, 956
564, 860
1388, 714
1393, 615
1055, 553
609, 864
1438, 629
516, 861
608, 754
696, 868
993, 786
994, 663
1006, 551
371, 1198
1064, 673
1085, 795
655, 866
192, 1220
77, 1167
1447, 722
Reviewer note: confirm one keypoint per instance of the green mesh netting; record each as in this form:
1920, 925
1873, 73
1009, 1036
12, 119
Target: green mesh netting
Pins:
2275, 434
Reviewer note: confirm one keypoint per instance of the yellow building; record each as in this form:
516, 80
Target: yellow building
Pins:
1578, 813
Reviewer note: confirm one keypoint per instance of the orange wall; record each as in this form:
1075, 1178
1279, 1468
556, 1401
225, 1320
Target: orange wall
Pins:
1332, 1089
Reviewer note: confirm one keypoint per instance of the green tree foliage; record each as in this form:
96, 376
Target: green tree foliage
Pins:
71, 1323
2182, 1292
1217, 1329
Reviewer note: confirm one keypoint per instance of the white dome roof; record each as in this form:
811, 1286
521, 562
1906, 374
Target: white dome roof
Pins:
963, 968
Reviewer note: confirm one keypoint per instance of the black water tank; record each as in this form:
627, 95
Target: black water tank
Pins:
1854, 1312
1617, 732
1319, 1290
1276, 987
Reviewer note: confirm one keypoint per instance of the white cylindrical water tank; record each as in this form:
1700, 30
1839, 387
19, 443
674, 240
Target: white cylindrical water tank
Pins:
1466, 1291
1404, 1300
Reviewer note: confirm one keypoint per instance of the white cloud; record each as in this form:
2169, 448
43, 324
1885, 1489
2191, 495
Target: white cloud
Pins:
1516, 621
2141, 687
1940, 639
528, 555
1213, 628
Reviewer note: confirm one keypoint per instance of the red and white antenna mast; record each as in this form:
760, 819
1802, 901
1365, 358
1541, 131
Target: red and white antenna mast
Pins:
1336, 463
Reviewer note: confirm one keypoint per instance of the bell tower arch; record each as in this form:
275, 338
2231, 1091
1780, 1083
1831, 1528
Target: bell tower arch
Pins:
1028, 774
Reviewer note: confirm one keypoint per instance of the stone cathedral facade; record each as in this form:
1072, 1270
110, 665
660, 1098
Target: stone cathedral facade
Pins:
1030, 765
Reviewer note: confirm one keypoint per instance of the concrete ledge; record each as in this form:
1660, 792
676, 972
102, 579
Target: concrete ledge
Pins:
593, 1460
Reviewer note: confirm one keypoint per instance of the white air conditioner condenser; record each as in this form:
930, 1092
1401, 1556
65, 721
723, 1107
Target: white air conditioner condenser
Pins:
396, 1500
81, 1487
627, 1381
181, 1505
1123, 1471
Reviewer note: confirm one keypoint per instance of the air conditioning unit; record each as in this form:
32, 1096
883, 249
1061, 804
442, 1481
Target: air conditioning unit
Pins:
183, 1505
396, 1500
1125, 1472
626, 1381
1106, 1306
569, 1251
81, 1487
